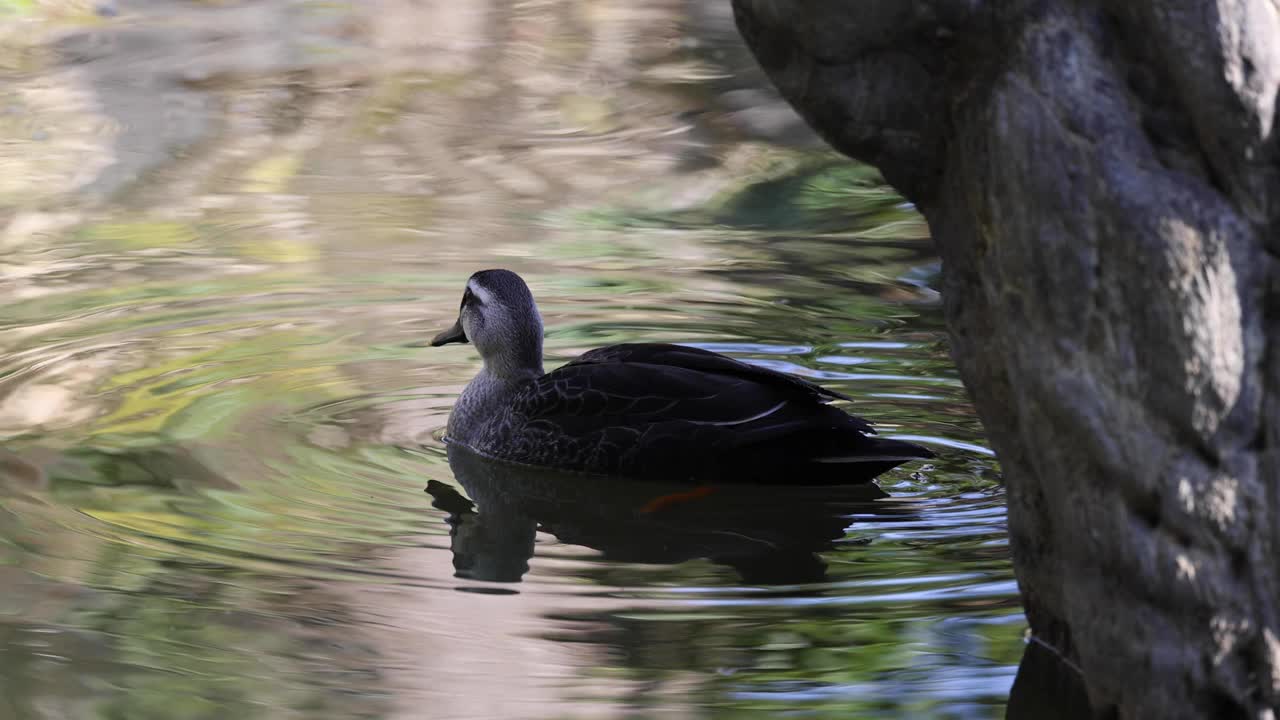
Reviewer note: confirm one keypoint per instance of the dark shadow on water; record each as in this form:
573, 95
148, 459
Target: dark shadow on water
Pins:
768, 535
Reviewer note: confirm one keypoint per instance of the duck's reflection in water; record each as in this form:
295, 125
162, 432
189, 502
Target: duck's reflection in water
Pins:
771, 535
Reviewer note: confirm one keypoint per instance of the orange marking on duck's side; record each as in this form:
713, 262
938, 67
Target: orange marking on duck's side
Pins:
663, 502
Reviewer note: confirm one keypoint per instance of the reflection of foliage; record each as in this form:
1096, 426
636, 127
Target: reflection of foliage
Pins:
823, 196
200, 533
272, 174
140, 234
208, 667
205, 641
815, 196
825, 662
168, 504
832, 225
206, 587
16, 6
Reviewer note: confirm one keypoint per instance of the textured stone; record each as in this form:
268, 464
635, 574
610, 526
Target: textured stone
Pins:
1102, 180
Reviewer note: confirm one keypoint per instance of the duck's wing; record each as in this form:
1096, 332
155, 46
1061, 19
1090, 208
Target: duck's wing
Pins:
647, 410
581, 397
692, 358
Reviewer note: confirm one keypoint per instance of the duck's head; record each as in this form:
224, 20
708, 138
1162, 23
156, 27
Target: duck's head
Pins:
499, 317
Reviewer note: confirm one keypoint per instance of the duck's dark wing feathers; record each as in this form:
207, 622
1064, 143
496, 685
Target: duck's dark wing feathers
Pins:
682, 413
692, 358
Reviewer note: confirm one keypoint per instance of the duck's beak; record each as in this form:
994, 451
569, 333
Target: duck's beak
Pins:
454, 334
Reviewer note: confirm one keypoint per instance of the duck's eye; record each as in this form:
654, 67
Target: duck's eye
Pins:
470, 298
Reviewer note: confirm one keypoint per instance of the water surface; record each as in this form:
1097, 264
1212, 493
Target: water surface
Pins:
227, 229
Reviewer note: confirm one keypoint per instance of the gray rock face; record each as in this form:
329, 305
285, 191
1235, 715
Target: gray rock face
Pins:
1103, 183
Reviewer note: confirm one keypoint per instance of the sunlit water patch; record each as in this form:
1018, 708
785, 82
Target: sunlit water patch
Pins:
219, 418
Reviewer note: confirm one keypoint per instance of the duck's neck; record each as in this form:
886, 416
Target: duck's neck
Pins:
517, 357
511, 368
485, 395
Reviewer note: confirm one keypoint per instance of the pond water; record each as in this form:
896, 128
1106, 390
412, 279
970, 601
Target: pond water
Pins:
226, 231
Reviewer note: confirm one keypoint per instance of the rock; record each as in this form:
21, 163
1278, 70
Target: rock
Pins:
1107, 215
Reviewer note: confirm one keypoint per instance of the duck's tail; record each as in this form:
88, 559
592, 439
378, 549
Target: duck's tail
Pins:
878, 450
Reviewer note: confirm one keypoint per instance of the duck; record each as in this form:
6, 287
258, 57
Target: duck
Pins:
648, 410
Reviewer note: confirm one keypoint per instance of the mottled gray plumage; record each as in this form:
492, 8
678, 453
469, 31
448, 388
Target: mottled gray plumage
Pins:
648, 410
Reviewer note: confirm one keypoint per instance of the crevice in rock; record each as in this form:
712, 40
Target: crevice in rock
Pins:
1223, 706
1164, 120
